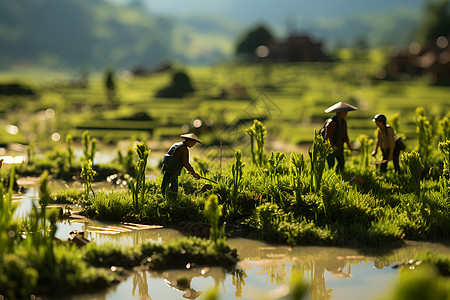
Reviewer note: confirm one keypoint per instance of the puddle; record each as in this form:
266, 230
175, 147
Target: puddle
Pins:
264, 271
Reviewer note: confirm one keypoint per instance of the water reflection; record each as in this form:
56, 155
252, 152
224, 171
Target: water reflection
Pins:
238, 281
332, 273
140, 282
263, 272
170, 284
181, 281
128, 238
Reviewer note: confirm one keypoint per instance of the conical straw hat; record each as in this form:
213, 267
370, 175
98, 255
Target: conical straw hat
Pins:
191, 136
340, 106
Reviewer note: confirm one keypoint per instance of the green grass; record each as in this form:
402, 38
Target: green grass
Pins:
279, 206
299, 94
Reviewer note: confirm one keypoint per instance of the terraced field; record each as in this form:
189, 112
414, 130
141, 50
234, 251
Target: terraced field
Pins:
289, 98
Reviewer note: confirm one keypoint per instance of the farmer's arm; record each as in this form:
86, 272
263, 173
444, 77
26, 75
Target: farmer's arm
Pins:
1, 163
377, 144
185, 161
374, 152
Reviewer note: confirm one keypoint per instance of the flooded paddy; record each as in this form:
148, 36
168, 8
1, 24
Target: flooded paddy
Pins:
264, 271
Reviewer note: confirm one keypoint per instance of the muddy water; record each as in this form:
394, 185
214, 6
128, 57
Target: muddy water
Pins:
264, 271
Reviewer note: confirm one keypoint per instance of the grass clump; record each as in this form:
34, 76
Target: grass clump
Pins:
112, 206
34, 262
175, 254
195, 251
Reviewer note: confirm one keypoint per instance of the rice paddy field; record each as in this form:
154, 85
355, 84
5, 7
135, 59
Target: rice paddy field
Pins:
289, 98
273, 187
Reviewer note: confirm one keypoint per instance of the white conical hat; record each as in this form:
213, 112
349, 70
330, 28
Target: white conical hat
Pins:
191, 136
340, 106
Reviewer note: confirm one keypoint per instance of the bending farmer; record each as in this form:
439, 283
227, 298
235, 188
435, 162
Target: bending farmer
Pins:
336, 133
386, 141
176, 158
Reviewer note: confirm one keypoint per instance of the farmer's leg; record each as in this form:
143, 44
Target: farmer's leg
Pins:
330, 160
164, 183
396, 160
168, 183
341, 161
174, 184
383, 166
173, 191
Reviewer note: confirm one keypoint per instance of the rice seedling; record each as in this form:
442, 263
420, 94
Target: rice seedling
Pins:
87, 174
318, 153
89, 146
137, 185
70, 154
8, 226
425, 134
266, 219
236, 171
444, 180
213, 212
444, 147
298, 166
364, 149
257, 134
275, 163
444, 124
413, 162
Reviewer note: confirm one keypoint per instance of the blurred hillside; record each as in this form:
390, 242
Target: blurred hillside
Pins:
130, 33
77, 32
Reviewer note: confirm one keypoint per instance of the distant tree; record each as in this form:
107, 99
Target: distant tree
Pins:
180, 86
253, 39
110, 83
436, 22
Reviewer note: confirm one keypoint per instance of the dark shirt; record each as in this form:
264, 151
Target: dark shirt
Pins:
182, 152
337, 133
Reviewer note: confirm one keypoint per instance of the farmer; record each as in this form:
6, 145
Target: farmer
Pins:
336, 133
386, 141
176, 158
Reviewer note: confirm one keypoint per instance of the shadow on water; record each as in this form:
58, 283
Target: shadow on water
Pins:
264, 271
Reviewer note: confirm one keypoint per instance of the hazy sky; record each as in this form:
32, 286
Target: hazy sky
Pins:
274, 11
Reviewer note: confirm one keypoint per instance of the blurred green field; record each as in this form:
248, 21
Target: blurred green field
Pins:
290, 98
